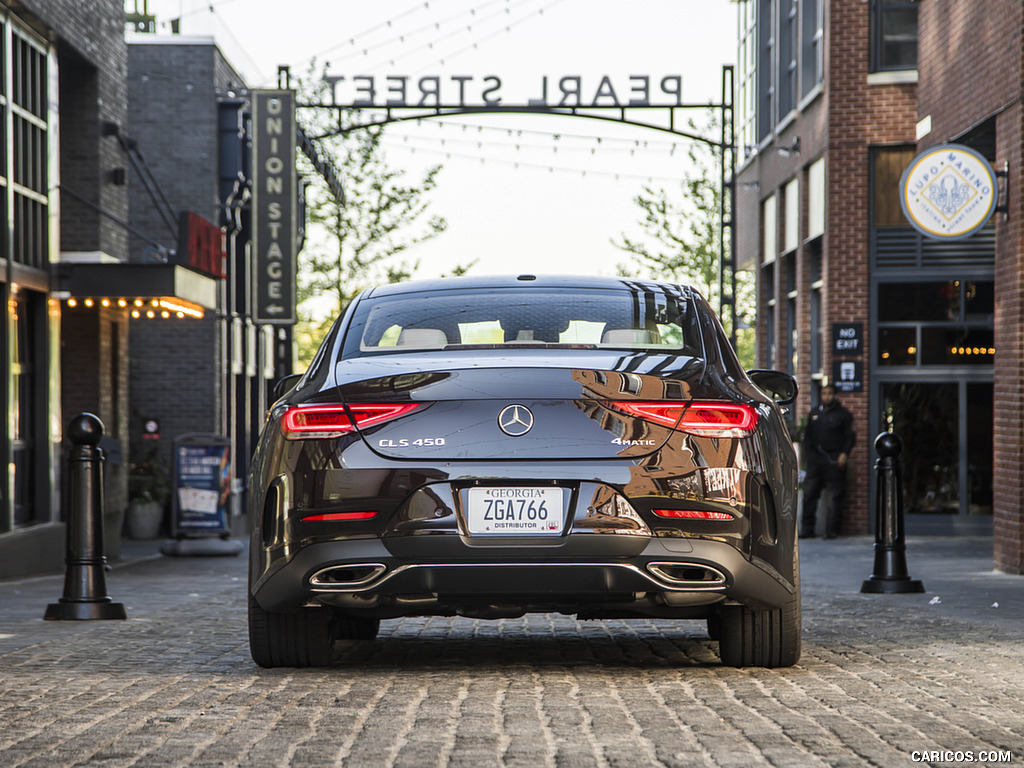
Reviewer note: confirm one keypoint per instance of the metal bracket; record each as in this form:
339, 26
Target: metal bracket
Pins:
1004, 193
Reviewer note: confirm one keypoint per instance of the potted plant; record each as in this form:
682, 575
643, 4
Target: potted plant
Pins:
149, 487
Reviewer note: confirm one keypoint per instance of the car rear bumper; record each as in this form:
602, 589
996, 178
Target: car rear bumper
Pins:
364, 574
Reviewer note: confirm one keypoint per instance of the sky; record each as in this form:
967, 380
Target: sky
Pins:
520, 193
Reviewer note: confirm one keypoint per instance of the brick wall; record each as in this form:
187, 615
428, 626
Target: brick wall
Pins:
970, 66
1008, 434
969, 58
174, 87
861, 116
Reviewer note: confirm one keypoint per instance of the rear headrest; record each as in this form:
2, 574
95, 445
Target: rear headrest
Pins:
423, 338
630, 336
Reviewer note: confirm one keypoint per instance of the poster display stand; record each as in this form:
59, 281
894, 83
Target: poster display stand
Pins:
201, 495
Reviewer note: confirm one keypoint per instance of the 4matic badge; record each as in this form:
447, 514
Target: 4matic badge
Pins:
620, 441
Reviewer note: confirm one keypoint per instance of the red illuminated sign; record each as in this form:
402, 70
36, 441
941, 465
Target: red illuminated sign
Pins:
200, 244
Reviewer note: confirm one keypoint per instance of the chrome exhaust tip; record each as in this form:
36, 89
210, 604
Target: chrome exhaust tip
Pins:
346, 576
691, 575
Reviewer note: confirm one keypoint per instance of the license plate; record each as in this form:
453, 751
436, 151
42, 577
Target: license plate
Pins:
515, 511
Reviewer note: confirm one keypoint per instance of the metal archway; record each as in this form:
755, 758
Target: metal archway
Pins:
725, 144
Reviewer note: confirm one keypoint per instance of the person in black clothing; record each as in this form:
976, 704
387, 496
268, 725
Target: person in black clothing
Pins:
828, 440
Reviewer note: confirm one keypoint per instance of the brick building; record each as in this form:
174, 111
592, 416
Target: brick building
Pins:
63, 65
835, 100
125, 275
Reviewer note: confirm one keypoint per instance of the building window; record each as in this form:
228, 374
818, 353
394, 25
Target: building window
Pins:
816, 199
788, 46
766, 74
29, 105
812, 56
768, 301
940, 323
23, 375
817, 283
791, 215
792, 296
888, 166
746, 70
769, 217
893, 35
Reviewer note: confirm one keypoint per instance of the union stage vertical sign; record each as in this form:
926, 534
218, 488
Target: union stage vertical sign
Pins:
274, 202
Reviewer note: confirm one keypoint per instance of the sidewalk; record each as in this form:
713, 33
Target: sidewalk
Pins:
144, 580
956, 572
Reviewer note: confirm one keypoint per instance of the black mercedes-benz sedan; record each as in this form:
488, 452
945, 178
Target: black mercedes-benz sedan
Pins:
487, 447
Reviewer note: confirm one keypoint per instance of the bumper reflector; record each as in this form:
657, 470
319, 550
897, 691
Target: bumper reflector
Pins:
693, 514
329, 517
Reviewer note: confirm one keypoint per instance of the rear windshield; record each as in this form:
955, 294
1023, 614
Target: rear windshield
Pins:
637, 320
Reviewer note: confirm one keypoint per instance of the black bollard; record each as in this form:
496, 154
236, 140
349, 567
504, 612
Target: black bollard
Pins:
85, 583
890, 575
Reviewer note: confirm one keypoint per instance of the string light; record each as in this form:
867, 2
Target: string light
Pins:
166, 306
649, 178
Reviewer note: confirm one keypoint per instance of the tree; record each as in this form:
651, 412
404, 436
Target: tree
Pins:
359, 241
679, 239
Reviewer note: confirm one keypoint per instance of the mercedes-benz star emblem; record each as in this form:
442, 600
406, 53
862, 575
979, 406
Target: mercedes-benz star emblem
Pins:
515, 420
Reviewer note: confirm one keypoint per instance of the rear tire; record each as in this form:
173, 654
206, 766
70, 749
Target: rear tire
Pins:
301, 639
767, 638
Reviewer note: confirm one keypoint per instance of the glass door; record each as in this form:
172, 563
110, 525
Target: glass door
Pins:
946, 428
926, 417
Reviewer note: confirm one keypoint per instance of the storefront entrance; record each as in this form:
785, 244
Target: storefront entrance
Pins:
933, 369
946, 427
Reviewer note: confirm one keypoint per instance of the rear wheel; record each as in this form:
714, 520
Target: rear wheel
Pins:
767, 638
304, 638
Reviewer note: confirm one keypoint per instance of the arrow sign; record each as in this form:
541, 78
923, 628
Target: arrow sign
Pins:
274, 205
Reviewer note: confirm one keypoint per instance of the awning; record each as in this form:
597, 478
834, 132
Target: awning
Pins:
151, 290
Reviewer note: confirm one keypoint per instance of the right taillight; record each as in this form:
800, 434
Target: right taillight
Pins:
325, 421
709, 419
665, 413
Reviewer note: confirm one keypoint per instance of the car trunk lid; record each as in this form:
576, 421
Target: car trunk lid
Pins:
521, 406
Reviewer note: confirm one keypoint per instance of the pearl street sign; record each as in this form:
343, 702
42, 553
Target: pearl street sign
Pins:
461, 91
274, 203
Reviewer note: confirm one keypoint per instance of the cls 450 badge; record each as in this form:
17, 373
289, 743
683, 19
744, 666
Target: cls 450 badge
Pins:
419, 442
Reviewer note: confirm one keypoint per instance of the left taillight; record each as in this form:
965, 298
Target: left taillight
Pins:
306, 422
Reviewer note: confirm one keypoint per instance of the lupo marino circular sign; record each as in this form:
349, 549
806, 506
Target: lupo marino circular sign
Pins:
948, 192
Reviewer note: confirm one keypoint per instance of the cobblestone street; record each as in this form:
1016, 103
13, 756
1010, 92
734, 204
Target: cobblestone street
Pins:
882, 678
